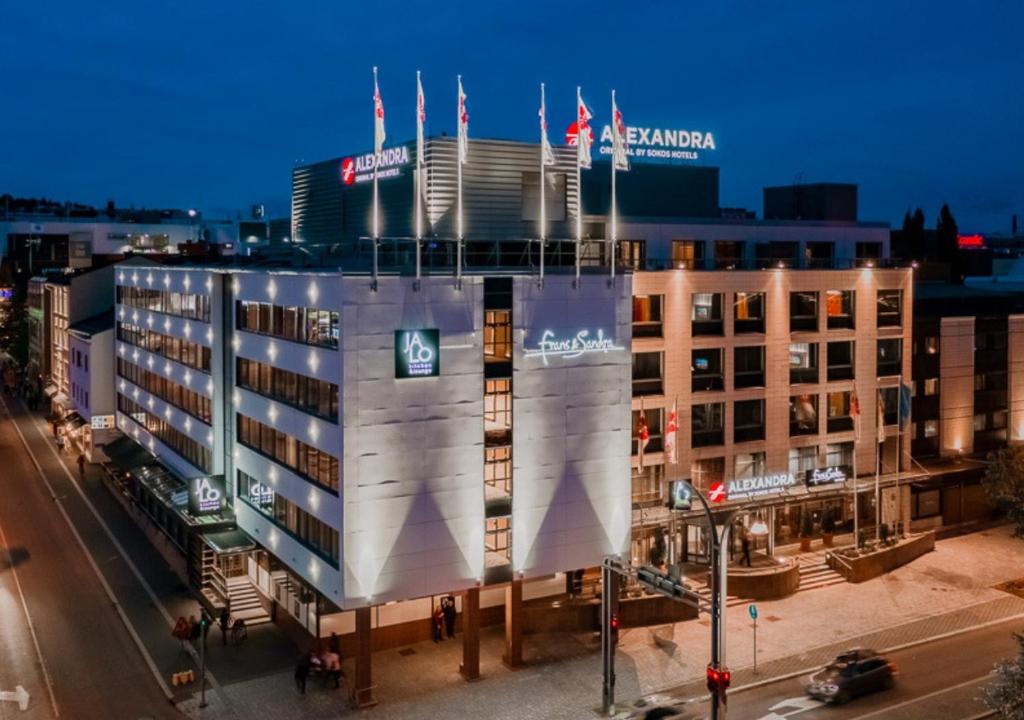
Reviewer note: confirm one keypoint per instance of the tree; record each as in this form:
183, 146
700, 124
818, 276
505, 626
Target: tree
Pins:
1004, 484
1006, 693
946, 233
913, 235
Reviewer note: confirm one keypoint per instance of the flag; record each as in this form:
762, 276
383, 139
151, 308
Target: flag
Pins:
855, 413
620, 144
881, 418
421, 117
584, 136
546, 153
463, 125
905, 404
670, 436
643, 436
378, 119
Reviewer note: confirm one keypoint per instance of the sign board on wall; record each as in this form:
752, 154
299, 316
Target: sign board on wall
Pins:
417, 353
359, 168
746, 488
653, 143
832, 475
583, 342
206, 495
680, 495
102, 422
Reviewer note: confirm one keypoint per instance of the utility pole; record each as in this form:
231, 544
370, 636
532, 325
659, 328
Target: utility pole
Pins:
204, 626
609, 636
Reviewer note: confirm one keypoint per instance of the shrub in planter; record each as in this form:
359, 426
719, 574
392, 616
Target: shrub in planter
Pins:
828, 526
806, 531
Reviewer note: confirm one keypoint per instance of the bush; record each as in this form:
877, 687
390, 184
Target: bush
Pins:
1006, 693
806, 525
1004, 484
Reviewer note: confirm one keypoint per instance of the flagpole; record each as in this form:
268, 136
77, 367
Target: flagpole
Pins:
879, 439
376, 199
615, 224
543, 208
579, 186
419, 175
458, 162
899, 432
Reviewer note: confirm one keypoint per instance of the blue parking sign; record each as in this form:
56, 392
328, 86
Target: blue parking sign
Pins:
752, 609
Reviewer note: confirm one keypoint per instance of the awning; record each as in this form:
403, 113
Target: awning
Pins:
73, 421
228, 542
61, 399
50, 390
126, 454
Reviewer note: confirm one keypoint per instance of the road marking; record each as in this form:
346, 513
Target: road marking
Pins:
88, 556
31, 625
888, 710
798, 705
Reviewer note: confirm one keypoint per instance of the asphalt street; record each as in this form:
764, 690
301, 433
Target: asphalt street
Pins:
82, 647
939, 680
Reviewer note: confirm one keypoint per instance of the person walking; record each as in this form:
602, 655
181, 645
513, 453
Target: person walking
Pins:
448, 607
302, 673
438, 622
60, 443
81, 465
746, 548
225, 622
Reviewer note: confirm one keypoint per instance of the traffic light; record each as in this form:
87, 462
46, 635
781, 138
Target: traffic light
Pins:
613, 628
718, 680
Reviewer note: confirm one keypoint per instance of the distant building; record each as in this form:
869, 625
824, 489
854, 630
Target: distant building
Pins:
824, 202
91, 383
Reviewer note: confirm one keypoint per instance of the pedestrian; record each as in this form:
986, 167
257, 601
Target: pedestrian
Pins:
334, 644
60, 443
332, 667
449, 615
438, 621
302, 672
746, 548
193, 628
225, 623
81, 465
181, 631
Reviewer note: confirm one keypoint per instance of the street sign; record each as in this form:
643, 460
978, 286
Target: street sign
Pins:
752, 609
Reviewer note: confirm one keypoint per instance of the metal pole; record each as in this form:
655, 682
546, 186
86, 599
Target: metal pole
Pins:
579, 186
615, 217
716, 613
856, 488
755, 645
607, 646
204, 626
878, 471
899, 432
543, 208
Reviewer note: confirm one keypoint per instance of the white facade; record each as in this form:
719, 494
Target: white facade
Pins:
91, 385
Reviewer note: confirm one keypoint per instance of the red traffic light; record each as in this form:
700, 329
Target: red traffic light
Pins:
718, 679
614, 622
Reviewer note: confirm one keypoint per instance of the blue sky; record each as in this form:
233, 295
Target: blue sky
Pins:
210, 104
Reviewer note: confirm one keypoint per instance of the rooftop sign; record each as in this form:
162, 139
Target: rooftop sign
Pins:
584, 342
359, 168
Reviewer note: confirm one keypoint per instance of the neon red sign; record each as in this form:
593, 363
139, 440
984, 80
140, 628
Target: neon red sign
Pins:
970, 241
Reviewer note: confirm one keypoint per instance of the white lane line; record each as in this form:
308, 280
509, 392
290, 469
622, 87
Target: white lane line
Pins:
110, 535
92, 563
887, 711
31, 625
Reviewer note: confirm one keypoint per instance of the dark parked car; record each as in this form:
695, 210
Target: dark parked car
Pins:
851, 674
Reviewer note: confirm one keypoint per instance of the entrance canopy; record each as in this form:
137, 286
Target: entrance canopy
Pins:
229, 542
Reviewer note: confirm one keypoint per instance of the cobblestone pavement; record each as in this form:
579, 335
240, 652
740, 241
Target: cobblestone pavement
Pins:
944, 591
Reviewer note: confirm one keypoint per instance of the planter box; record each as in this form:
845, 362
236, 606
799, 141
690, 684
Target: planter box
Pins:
879, 562
767, 583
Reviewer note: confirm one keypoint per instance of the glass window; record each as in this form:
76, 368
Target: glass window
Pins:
803, 311
838, 418
803, 363
979, 422
839, 454
802, 459
652, 418
840, 360
931, 345
706, 369
707, 314
839, 305
931, 428
497, 411
748, 312
749, 366
688, 254
748, 420
707, 471
708, 424
890, 357
647, 373
889, 305
497, 336
749, 465
647, 315
931, 386
803, 415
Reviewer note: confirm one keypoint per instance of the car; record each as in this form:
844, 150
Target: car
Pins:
853, 673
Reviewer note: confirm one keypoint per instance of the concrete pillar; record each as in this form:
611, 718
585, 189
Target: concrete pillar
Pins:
362, 683
470, 667
513, 657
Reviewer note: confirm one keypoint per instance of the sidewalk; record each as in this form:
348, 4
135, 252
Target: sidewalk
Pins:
946, 590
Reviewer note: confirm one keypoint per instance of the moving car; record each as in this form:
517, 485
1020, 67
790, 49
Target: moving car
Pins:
854, 673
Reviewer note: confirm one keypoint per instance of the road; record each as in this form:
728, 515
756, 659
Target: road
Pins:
939, 679
61, 637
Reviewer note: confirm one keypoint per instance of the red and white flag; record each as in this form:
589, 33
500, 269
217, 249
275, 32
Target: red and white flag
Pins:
620, 143
421, 117
378, 118
584, 136
881, 418
670, 436
463, 125
855, 413
546, 153
643, 436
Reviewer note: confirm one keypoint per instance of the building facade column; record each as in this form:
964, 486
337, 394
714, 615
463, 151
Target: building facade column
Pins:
513, 657
362, 683
470, 667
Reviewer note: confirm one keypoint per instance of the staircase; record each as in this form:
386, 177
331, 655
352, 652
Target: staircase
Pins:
702, 589
245, 602
815, 572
